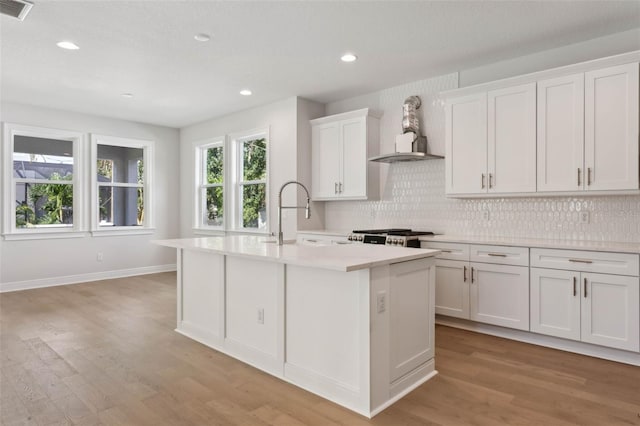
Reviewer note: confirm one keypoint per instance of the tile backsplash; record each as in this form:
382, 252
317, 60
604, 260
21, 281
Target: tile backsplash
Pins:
414, 197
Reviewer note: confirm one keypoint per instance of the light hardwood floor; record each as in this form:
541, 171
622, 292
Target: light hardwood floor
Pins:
106, 353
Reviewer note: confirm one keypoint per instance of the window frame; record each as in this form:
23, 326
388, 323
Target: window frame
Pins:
9, 229
147, 186
237, 183
200, 169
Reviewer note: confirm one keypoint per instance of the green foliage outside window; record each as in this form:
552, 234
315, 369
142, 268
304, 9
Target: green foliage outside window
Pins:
254, 197
47, 203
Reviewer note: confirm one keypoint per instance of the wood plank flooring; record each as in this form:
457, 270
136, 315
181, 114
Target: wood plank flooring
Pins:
106, 353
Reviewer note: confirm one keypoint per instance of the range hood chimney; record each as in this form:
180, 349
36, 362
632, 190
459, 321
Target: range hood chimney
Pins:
410, 135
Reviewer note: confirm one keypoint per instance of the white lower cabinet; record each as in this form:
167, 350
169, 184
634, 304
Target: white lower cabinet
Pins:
452, 288
594, 308
491, 292
499, 295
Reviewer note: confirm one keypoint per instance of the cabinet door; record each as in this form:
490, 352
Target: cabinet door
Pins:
466, 145
610, 311
353, 161
500, 295
325, 160
611, 128
452, 288
555, 303
512, 139
561, 134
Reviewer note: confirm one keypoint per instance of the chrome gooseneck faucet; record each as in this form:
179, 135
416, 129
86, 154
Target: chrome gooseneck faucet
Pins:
307, 210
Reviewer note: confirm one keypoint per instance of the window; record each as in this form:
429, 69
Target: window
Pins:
251, 182
120, 180
210, 185
231, 183
42, 180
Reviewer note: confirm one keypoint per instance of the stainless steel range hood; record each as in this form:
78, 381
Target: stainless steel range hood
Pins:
410, 126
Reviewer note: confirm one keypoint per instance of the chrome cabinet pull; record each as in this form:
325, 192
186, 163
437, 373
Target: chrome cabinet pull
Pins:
497, 254
340, 187
490, 180
482, 181
589, 176
446, 251
579, 180
580, 260
335, 188
574, 285
312, 241
585, 288
472, 279
464, 274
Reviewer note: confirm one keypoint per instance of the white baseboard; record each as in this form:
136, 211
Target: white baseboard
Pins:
83, 278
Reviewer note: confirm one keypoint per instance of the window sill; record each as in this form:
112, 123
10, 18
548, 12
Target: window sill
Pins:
209, 232
121, 231
43, 235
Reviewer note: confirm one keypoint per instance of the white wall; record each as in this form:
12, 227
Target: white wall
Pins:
307, 110
280, 118
613, 44
413, 193
48, 261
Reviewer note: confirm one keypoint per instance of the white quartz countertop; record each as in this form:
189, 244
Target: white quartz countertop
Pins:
610, 246
344, 258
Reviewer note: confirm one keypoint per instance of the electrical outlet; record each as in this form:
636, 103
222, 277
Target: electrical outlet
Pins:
486, 215
99, 256
260, 315
381, 301
584, 216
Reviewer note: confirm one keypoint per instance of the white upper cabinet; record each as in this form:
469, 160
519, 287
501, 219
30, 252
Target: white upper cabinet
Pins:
567, 130
611, 128
561, 134
512, 139
466, 145
326, 160
341, 146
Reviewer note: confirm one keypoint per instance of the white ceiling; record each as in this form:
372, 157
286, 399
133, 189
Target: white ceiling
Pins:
277, 49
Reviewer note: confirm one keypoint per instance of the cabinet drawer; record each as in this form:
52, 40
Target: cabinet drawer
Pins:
451, 251
588, 261
503, 255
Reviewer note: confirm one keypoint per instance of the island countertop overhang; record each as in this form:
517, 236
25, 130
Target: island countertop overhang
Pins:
343, 257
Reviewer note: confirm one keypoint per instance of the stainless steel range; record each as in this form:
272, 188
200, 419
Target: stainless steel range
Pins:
398, 237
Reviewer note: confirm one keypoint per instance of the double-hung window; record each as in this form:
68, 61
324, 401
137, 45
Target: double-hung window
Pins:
121, 174
231, 175
251, 182
210, 185
42, 183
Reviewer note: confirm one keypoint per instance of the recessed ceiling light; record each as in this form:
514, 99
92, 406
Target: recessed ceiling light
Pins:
202, 37
348, 57
67, 45
246, 92
127, 95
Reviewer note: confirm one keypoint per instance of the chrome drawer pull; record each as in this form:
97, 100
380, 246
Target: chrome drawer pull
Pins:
580, 260
497, 254
444, 251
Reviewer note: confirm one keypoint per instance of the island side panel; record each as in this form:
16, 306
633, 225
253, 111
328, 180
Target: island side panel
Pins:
254, 304
327, 334
201, 296
402, 330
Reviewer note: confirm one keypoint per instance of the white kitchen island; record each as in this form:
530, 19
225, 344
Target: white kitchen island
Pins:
352, 323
